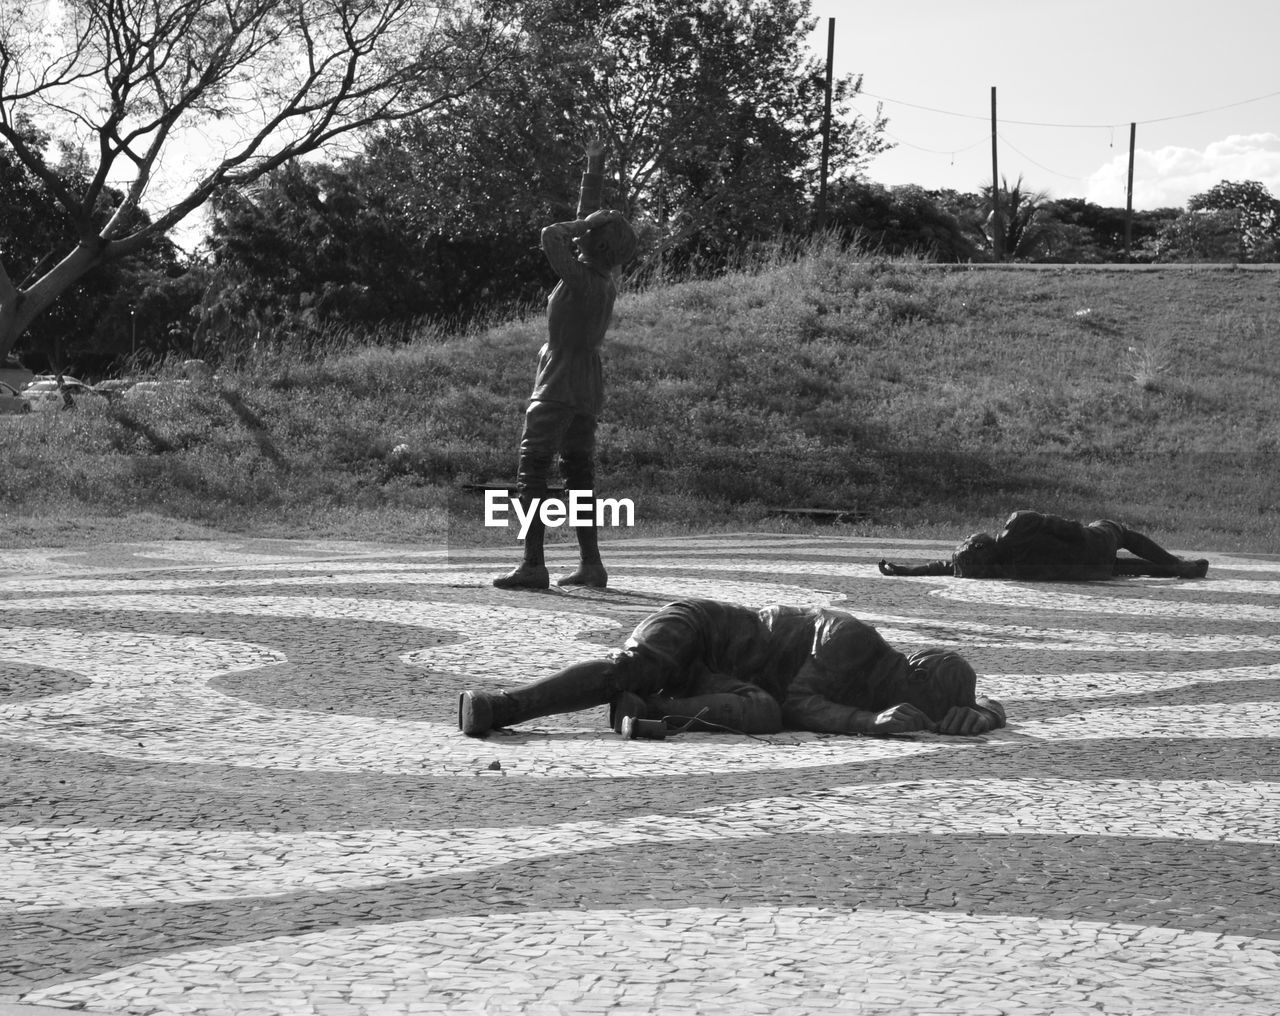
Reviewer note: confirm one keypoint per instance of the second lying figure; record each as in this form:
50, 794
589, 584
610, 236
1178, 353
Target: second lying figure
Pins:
1035, 547
755, 671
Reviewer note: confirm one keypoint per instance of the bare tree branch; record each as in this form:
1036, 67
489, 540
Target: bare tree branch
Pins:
262, 81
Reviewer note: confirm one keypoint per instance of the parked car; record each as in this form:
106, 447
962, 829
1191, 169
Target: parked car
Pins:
11, 400
113, 388
146, 389
44, 393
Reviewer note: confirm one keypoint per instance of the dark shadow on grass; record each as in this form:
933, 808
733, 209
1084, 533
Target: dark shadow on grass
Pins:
984, 482
129, 422
256, 427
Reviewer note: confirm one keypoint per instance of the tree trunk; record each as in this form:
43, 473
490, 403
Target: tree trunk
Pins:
20, 307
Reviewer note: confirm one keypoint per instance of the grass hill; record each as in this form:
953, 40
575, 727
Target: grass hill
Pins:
931, 400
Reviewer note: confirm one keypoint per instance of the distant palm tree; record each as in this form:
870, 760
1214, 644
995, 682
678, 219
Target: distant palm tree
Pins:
1023, 224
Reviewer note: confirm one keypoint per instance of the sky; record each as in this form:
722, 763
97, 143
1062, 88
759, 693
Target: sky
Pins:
1070, 76
1201, 79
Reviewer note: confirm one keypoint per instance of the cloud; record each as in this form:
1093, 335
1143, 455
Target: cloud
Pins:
1166, 177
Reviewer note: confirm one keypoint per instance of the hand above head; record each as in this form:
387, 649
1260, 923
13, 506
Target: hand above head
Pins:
966, 721
603, 215
901, 719
886, 568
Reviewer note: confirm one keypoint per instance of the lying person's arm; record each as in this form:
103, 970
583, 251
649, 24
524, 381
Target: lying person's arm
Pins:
967, 721
932, 568
824, 695
832, 689
820, 714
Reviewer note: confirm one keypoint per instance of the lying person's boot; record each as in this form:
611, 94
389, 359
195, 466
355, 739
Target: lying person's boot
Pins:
527, 576
583, 685
1197, 569
585, 574
480, 712
475, 713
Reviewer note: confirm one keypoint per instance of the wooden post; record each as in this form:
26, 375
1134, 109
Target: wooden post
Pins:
826, 128
997, 221
1128, 194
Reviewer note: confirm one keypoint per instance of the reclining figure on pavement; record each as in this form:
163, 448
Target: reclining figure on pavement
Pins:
1035, 547
754, 671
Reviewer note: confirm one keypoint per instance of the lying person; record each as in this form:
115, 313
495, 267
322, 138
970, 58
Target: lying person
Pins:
1045, 548
754, 671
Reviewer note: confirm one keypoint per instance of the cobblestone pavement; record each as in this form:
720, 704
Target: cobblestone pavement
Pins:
233, 784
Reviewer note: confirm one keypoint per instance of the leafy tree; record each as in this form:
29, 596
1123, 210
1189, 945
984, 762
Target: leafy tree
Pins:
313, 243
1065, 229
898, 220
135, 81
357, 264
1229, 222
712, 113
1202, 235
1257, 214
715, 113
1098, 232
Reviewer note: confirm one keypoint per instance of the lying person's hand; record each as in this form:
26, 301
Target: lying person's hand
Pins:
901, 719
966, 721
886, 568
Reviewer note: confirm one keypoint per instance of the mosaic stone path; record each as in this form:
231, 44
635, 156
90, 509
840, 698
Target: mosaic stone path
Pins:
233, 784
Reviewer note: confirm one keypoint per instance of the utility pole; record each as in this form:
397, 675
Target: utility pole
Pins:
997, 221
826, 128
1128, 194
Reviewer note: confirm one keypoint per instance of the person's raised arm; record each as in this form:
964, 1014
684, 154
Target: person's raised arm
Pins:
591, 193
557, 239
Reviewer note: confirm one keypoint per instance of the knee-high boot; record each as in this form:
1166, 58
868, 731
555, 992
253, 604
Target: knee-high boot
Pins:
580, 686
532, 572
590, 570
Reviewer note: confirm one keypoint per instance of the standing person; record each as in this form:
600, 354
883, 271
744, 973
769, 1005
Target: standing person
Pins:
755, 671
1035, 547
568, 389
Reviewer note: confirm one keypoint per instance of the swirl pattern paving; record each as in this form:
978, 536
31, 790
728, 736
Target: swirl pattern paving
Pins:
233, 784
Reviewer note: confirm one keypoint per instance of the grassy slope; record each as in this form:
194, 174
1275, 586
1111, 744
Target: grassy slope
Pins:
933, 400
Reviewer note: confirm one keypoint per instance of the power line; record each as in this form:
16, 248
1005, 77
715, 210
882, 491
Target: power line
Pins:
953, 152
1070, 126
939, 151
987, 136
1065, 176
